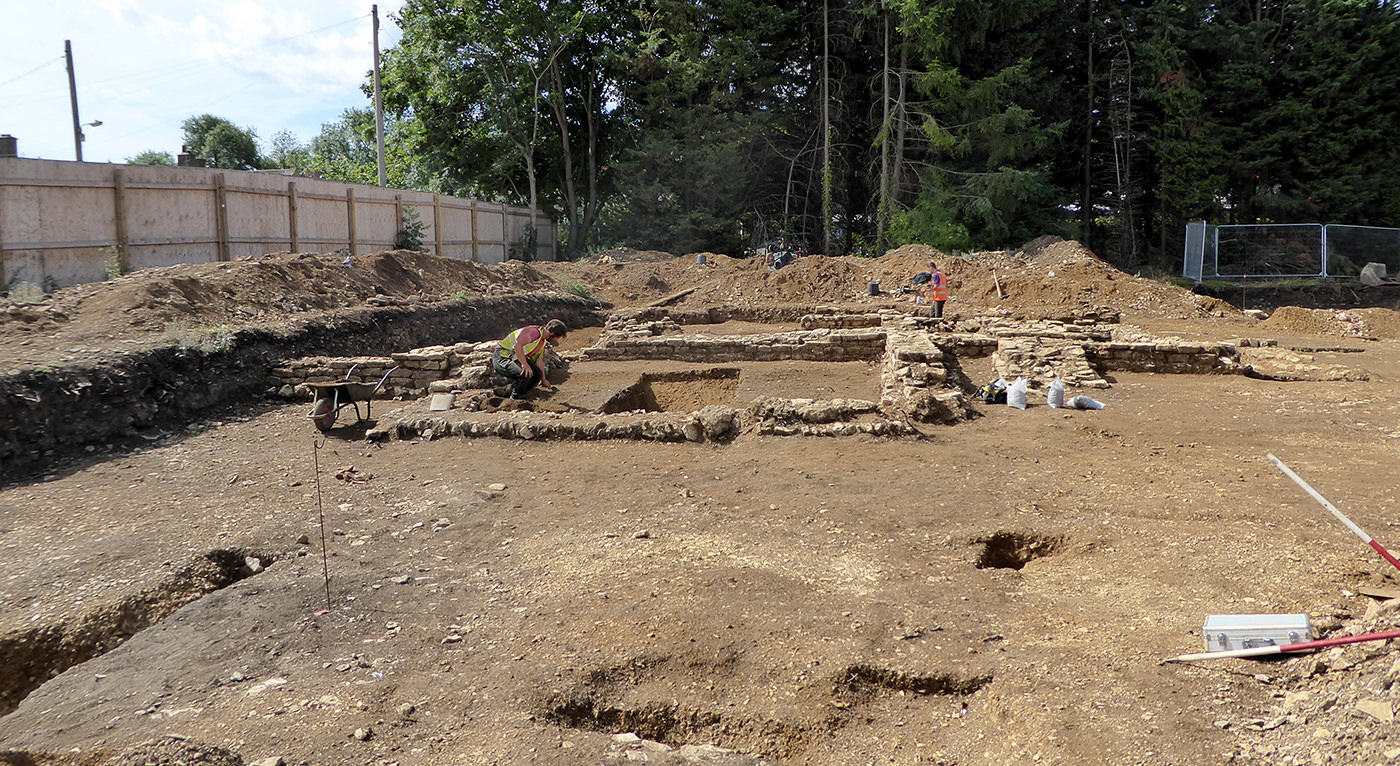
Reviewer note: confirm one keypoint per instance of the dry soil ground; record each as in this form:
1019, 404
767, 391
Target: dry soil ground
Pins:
998, 591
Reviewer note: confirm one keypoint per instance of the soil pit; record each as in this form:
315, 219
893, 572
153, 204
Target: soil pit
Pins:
663, 386
686, 391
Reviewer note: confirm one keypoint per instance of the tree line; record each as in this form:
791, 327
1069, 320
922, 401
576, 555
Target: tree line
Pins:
851, 126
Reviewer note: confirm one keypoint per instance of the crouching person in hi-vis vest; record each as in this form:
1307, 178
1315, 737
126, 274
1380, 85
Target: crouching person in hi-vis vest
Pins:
518, 356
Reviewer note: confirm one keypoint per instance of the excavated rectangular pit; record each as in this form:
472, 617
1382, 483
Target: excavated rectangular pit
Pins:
677, 391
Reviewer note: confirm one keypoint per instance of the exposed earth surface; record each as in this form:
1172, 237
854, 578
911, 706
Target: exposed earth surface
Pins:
999, 588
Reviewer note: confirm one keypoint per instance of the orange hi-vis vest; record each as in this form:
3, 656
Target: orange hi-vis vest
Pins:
533, 349
938, 287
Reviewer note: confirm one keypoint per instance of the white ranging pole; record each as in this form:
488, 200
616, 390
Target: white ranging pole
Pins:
1302, 646
1358, 531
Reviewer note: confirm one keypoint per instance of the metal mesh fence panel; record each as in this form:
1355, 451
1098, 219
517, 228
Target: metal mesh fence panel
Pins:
1272, 250
1350, 248
1197, 233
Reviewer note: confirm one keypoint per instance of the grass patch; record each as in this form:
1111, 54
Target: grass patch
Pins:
205, 340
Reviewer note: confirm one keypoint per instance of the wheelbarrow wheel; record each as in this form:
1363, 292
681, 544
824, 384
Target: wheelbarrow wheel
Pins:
323, 414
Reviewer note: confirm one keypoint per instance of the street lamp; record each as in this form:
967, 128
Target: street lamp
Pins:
83, 136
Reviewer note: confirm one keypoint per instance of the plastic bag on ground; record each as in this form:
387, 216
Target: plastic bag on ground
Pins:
1016, 394
1055, 396
1084, 403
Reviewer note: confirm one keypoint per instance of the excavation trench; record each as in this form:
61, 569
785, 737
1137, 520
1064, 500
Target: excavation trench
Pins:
677, 725
33, 656
862, 680
679, 391
1013, 550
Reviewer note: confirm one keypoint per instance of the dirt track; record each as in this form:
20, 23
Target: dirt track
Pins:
1002, 590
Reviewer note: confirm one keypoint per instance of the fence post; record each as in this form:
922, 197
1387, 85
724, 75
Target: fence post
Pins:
437, 225
350, 218
1324, 273
295, 240
4, 280
474, 246
119, 211
398, 218
221, 215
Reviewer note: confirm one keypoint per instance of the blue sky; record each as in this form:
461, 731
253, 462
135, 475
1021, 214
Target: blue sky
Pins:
144, 66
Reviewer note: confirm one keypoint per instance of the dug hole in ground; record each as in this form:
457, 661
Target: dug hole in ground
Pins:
1001, 587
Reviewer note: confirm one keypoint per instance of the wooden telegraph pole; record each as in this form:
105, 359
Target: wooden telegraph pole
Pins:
378, 101
73, 96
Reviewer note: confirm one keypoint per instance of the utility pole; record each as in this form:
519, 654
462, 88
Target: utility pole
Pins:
73, 96
826, 131
378, 99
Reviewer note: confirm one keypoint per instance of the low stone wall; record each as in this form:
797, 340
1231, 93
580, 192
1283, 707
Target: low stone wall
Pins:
403, 375
716, 423
812, 346
840, 321
1168, 356
51, 414
722, 314
916, 353
1041, 362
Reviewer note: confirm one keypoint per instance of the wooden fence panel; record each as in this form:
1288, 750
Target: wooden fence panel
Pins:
61, 222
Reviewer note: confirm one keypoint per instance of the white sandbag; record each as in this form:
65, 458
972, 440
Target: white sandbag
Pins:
1084, 403
1016, 394
1055, 396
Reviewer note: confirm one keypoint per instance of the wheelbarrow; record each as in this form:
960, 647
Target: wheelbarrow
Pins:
332, 396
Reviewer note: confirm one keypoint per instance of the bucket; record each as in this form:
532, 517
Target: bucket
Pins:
873, 288
700, 259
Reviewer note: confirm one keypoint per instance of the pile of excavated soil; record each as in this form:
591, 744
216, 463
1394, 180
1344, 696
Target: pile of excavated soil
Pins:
1048, 277
163, 303
1352, 323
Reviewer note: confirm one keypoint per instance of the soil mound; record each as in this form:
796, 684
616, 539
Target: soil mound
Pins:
1048, 277
272, 289
1352, 323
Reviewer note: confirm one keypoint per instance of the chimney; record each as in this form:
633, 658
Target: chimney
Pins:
188, 160
9, 145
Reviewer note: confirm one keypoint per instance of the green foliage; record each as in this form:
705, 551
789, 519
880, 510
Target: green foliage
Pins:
575, 288
287, 152
151, 157
344, 150
410, 233
514, 99
112, 261
221, 143
202, 340
927, 223
526, 248
692, 125
20, 291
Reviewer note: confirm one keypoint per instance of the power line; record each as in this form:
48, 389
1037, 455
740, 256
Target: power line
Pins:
32, 71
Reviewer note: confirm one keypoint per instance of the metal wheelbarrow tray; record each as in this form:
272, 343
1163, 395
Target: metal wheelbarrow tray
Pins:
332, 396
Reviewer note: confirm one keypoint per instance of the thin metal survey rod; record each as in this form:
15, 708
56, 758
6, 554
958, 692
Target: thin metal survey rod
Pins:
1358, 531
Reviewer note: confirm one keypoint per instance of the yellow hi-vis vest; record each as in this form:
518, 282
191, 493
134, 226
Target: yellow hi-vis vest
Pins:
533, 350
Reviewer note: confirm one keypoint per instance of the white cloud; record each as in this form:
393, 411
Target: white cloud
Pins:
142, 68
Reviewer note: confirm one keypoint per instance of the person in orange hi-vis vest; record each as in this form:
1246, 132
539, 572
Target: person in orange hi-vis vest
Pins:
518, 356
937, 289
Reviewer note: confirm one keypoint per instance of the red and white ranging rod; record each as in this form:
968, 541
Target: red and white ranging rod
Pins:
1301, 646
1358, 531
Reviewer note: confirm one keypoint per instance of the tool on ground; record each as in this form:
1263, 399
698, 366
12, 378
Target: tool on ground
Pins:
332, 396
1303, 646
1225, 632
1358, 531
997, 282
